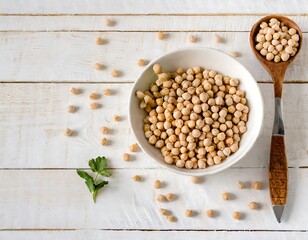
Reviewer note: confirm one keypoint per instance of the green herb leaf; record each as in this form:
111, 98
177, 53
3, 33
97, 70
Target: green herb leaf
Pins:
100, 185
93, 165
101, 163
83, 174
105, 173
90, 185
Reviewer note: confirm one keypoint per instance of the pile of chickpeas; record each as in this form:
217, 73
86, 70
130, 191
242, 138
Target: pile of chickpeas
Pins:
276, 41
195, 117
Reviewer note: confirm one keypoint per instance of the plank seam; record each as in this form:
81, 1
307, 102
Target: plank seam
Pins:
149, 14
150, 230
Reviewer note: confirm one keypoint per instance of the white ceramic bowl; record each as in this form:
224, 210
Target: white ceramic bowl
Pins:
210, 59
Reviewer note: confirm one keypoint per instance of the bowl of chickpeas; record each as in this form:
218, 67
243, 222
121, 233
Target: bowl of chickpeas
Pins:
196, 111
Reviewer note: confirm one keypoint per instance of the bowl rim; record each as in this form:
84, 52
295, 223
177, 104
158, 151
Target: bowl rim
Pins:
195, 172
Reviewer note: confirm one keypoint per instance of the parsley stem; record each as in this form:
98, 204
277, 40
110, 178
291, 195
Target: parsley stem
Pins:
96, 177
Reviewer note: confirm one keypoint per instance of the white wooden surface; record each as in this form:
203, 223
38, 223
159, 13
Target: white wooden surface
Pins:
46, 47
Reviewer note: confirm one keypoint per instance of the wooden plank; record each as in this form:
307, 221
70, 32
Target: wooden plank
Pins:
34, 117
64, 56
59, 199
136, 23
156, 7
145, 235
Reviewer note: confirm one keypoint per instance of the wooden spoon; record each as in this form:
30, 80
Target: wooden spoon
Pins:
278, 165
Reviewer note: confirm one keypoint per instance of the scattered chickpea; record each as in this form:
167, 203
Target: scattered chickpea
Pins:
241, 185
68, 132
116, 118
141, 62
191, 38
189, 213
235, 54
115, 73
226, 196
94, 96
160, 35
253, 205
171, 218
134, 147
164, 212
157, 184
104, 141
256, 185
109, 22
210, 213
218, 39
161, 198
99, 41
94, 105
71, 109
236, 215
74, 91
98, 66
126, 156
195, 179
136, 178
170, 196
104, 130
107, 92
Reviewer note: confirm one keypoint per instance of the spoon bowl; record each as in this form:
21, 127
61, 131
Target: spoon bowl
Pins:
276, 70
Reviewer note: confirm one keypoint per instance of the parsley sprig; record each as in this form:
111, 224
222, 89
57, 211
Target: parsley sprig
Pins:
97, 166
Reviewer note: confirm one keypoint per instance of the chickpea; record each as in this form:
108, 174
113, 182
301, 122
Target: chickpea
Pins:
157, 184
241, 185
75, 91
160, 35
98, 66
210, 213
191, 38
94, 105
94, 96
116, 118
126, 156
68, 132
134, 147
141, 62
71, 109
104, 130
195, 179
170, 196
136, 178
161, 198
253, 205
168, 159
256, 185
236, 215
171, 218
226, 196
108, 92
164, 212
109, 22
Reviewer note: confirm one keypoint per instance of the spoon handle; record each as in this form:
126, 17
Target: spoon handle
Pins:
278, 166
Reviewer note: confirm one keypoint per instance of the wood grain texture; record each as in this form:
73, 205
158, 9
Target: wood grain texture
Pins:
64, 56
278, 171
59, 199
220, 23
147, 235
34, 118
155, 7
